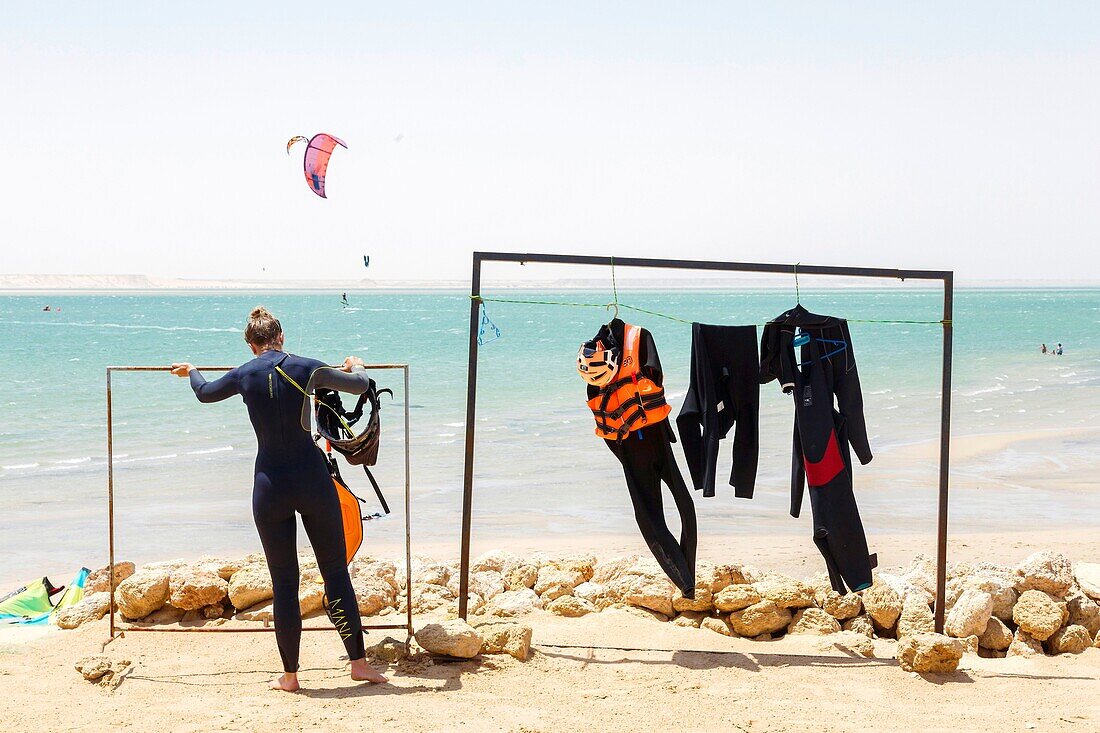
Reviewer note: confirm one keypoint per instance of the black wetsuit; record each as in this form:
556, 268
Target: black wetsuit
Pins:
724, 391
291, 476
816, 373
647, 459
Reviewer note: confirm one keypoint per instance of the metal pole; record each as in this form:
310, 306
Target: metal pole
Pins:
468, 465
408, 516
945, 449
110, 507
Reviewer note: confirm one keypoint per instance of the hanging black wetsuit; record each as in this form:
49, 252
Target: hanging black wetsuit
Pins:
647, 459
816, 373
724, 391
291, 476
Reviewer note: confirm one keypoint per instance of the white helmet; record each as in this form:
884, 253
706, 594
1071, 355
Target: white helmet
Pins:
598, 363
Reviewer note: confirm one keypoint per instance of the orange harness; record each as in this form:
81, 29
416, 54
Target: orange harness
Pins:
633, 400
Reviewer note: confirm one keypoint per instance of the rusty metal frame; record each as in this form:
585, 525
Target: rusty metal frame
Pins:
116, 631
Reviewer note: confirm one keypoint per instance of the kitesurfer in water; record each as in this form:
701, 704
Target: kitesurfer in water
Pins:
291, 477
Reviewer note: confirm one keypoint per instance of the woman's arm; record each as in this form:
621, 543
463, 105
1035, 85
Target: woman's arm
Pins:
220, 389
354, 382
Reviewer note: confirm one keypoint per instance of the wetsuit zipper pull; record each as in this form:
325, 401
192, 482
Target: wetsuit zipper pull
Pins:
270, 386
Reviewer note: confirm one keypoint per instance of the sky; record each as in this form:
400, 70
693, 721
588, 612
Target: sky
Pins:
148, 137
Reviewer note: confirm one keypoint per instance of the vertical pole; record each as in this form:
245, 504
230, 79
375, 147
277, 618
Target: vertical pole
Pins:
468, 466
945, 449
110, 506
408, 513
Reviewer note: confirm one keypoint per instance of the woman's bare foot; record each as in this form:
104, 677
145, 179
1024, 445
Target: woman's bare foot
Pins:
288, 682
363, 672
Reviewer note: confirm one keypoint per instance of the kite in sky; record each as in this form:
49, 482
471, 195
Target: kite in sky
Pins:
318, 151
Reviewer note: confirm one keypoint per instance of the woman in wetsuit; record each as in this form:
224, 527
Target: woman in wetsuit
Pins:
291, 477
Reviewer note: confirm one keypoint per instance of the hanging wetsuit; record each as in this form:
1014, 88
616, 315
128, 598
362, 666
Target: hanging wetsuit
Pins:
291, 476
632, 417
823, 368
724, 391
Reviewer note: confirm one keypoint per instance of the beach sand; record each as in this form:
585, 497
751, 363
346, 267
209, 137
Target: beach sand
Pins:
692, 680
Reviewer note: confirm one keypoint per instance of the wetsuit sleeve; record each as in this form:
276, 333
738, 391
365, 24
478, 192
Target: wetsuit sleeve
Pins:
849, 399
325, 377
651, 362
220, 389
690, 420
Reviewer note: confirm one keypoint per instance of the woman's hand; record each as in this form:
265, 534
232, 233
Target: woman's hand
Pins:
351, 362
182, 369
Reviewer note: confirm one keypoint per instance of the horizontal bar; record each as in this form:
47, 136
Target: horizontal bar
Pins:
713, 265
228, 368
198, 629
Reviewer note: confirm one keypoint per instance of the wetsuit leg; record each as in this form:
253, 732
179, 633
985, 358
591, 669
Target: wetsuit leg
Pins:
324, 526
274, 515
647, 459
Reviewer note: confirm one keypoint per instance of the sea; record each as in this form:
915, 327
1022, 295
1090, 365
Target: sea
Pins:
183, 469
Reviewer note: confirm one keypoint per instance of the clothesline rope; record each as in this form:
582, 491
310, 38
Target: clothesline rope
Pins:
616, 304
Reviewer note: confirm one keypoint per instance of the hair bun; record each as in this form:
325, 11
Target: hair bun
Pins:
259, 313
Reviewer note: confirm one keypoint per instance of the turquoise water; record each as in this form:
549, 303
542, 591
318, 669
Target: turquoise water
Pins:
183, 470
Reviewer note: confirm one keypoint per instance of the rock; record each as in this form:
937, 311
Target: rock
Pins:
970, 614
612, 569
372, 594
996, 635
311, 594
427, 597
594, 593
512, 603
388, 650
451, 637
581, 566
99, 581
916, 617
192, 589
861, 624
506, 637
1088, 578
1083, 611
1046, 571
102, 671
689, 619
1037, 614
840, 607
429, 572
496, 561
785, 592
813, 621
736, 597
882, 604
382, 570
1072, 639
91, 608
703, 600
642, 612
250, 585
1024, 645
850, 642
166, 614
221, 567
554, 582
570, 607
971, 644
1001, 589
762, 637
260, 612
142, 593
718, 625
921, 575
644, 585
522, 575
487, 583
764, 617
213, 611
1096, 642
924, 652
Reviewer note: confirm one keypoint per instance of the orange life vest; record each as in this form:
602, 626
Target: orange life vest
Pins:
633, 400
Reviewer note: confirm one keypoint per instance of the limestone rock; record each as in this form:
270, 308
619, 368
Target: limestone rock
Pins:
192, 589
221, 567
924, 652
429, 572
970, 644
554, 582
1083, 611
311, 594
91, 608
882, 604
142, 593
166, 614
764, 617
427, 597
570, 607
921, 575
861, 624
840, 607
736, 597
850, 642
1037, 614
642, 612
99, 581
263, 611
250, 585
213, 611
785, 592
382, 570
522, 575
689, 619
970, 614
1072, 639
102, 670
388, 650
506, 637
916, 617
645, 585
996, 635
594, 593
512, 603
813, 621
1046, 571
1024, 645
703, 600
1088, 577
580, 565
487, 583
612, 569
372, 594
496, 561
451, 637
718, 625
1000, 585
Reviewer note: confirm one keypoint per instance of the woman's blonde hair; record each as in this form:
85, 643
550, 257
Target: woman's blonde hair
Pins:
263, 328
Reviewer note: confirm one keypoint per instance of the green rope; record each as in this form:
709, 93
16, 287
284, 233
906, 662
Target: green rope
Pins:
614, 286
797, 295
483, 299
655, 313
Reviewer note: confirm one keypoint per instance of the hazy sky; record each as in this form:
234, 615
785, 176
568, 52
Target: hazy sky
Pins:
149, 137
